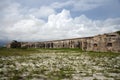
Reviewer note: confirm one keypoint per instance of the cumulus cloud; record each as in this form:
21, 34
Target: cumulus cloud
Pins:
42, 12
59, 26
25, 29
30, 24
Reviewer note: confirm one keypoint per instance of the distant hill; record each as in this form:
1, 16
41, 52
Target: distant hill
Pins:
2, 43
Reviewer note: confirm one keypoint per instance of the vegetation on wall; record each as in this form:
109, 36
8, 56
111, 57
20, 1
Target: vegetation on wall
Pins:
118, 32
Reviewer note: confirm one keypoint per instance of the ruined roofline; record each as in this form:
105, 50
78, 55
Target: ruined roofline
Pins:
56, 40
81, 37
118, 32
67, 39
72, 38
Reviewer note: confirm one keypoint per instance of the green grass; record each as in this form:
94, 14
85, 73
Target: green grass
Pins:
66, 50
23, 51
102, 54
17, 51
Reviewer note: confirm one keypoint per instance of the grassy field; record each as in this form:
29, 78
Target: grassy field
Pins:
58, 64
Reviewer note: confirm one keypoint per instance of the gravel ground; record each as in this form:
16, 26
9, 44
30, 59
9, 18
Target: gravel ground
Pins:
59, 66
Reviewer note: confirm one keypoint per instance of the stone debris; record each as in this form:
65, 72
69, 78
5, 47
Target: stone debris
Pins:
59, 66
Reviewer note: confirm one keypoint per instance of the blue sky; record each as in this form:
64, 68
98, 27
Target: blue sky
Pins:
108, 8
41, 20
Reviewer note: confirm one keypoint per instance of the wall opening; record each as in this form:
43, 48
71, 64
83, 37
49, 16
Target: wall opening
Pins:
51, 45
109, 44
95, 45
77, 45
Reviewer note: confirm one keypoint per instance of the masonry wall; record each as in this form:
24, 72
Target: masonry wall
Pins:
101, 43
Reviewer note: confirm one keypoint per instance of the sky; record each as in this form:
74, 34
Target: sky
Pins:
44, 20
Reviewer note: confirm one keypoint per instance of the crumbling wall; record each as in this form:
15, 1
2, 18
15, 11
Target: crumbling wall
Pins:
14, 44
101, 43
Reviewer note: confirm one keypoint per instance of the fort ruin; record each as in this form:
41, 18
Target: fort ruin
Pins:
109, 42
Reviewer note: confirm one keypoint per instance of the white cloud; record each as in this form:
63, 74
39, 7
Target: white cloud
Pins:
26, 24
59, 26
80, 5
61, 4
42, 12
84, 5
25, 29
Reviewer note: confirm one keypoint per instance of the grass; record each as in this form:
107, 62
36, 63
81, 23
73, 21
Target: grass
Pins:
23, 51
103, 54
17, 51
56, 64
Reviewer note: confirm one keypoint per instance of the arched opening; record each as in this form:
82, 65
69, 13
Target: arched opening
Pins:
95, 45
